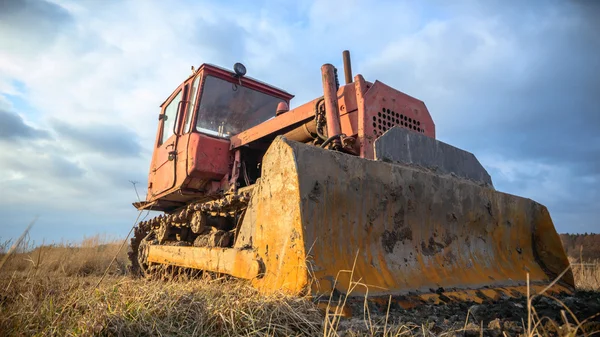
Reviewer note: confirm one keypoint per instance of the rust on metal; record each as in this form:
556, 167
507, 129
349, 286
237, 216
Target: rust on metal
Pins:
347, 66
282, 108
269, 205
295, 116
332, 111
415, 233
234, 262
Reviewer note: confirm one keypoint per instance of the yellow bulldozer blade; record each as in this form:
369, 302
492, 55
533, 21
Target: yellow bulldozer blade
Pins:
322, 222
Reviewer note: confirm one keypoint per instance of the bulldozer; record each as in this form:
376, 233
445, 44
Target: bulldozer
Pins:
351, 188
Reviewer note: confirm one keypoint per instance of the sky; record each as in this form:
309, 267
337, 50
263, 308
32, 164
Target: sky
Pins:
515, 82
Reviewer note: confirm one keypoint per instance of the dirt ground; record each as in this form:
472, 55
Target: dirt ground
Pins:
490, 319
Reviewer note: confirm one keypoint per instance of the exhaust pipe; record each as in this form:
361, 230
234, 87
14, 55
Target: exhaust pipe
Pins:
332, 112
347, 66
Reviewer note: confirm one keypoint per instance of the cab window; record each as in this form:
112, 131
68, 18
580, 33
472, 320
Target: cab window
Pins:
226, 109
169, 118
191, 107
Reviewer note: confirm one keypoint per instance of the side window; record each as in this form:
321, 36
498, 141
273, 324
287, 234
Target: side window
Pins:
169, 118
191, 108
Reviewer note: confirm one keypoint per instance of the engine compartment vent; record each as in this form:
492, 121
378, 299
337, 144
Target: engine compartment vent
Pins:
386, 119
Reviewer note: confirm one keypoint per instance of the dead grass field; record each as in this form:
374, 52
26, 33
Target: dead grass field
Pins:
89, 257
55, 290
587, 275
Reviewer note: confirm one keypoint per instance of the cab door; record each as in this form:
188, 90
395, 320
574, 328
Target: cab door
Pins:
164, 168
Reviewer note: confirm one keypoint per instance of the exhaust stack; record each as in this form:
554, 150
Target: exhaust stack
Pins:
347, 66
332, 114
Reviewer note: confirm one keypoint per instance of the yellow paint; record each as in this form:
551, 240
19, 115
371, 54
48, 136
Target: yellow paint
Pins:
238, 263
341, 208
320, 220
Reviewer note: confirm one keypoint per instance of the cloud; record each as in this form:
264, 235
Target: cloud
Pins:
63, 168
13, 127
28, 25
571, 198
515, 84
108, 140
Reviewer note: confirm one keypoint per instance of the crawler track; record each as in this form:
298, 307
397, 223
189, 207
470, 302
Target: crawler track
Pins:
202, 224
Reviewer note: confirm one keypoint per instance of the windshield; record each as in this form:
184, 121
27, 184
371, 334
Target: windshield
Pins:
227, 109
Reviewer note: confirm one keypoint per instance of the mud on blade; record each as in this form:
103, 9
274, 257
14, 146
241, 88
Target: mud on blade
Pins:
405, 230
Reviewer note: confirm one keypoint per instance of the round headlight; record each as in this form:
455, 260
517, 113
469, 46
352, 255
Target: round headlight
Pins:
239, 69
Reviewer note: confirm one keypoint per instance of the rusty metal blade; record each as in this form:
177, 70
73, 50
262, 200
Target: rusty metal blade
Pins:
238, 263
316, 215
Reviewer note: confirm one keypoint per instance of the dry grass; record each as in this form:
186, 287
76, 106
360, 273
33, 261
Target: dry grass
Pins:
587, 275
126, 307
91, 256
51, 290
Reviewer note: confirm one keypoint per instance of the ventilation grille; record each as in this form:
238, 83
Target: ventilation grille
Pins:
386, 119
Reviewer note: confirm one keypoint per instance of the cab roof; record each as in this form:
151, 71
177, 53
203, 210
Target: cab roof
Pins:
247, 81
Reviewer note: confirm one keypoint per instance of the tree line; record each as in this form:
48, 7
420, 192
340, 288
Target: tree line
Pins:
584, 245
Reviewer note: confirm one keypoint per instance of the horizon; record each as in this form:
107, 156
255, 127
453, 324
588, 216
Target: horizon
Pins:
81, 84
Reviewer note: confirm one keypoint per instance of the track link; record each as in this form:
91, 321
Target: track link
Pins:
209, 223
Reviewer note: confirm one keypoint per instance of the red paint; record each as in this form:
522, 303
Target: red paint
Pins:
204, 165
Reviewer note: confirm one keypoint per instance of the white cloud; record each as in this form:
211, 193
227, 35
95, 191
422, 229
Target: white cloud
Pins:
110, 64
5, 104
